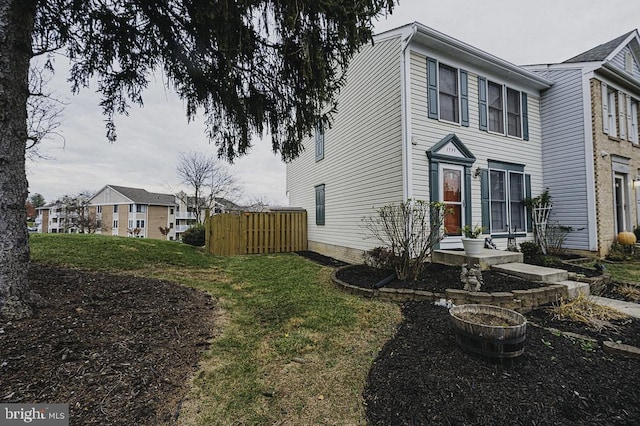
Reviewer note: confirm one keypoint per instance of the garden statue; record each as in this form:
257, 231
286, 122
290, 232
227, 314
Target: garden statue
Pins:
471, 277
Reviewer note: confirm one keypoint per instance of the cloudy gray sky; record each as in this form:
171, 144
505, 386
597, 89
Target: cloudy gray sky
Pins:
151, 138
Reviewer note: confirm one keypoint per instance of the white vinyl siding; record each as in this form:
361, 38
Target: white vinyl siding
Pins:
564, 154
362, 168
621, 61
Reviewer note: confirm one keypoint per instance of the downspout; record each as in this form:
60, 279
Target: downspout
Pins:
405, 102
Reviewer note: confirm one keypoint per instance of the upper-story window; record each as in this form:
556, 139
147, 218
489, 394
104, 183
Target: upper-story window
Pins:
448, 93
612, 113
115, 208
447, 96
633, 120
496, 108
514, 113
319, 142
505, 105
99, 209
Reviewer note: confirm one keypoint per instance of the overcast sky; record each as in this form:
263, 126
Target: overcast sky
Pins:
151, 138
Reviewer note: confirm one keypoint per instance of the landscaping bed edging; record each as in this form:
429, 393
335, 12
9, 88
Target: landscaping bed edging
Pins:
518, 300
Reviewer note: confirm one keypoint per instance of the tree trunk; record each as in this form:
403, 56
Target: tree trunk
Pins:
16, 26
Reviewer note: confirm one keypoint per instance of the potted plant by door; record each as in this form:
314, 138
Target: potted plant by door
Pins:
471, 241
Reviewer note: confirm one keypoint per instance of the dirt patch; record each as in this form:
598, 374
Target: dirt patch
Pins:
118, 349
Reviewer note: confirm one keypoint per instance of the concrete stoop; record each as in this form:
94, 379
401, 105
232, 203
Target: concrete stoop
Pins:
486, 259
532, 272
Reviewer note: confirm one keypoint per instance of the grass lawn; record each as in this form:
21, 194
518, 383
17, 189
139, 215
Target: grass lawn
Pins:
627, 271
289, 347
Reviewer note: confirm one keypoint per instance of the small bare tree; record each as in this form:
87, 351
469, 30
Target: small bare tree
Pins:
77, 215
208, 179
44, 111
409, 230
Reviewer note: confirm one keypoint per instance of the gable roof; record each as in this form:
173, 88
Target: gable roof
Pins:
142, 196
601, 52
447, 45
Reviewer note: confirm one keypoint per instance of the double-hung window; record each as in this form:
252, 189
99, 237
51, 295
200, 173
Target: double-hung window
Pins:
506, 201
502, 109
320, 210
632, 106
514, 120
612, 113
448, 93
496, 108
319, 142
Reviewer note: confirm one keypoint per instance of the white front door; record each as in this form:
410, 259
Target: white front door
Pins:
452, 195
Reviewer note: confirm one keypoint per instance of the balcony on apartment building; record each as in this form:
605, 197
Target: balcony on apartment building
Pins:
186, 215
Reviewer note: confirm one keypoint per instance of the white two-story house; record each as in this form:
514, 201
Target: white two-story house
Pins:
423, 116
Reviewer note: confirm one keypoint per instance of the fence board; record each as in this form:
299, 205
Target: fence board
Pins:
256, 233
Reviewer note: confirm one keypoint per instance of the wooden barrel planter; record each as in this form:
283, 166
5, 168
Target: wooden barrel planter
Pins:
489, 331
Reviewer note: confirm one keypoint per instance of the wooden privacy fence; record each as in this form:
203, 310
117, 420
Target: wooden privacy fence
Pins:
256, 233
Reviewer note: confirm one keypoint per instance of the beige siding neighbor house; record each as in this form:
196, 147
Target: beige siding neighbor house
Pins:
423, 116
124, 211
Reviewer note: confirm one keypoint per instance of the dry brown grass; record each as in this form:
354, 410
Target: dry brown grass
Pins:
630, 291
584, 310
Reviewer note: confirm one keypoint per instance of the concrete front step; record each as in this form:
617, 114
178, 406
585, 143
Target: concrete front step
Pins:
486, 259
532, 272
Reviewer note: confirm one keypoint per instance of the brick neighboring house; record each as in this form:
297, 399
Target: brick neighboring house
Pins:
591, 143
124, 212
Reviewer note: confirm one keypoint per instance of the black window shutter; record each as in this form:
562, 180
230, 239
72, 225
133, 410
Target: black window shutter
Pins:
525, 118
432, 86
464, 98
527, 192
482, 102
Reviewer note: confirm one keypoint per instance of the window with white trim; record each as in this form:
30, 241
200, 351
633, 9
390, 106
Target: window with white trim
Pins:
496, 107
505, 105
448, 93
115, 224
320, 205
612, 113
514, 113
633, 121
140, 223
319, 142
506, 200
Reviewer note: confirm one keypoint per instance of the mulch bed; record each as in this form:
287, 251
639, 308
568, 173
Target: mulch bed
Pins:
435, 278
118, 349
421, 376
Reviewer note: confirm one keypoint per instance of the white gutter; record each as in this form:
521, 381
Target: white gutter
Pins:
405, 114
